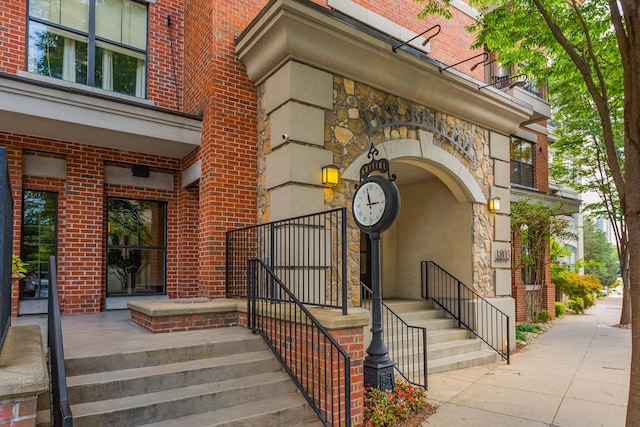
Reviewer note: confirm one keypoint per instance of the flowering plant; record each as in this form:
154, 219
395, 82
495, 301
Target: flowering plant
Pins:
385, 408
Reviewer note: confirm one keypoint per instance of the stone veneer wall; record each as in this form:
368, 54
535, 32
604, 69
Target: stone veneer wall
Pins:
347, 136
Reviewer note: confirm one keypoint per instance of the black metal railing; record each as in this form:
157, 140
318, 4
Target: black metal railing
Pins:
471, 310
407, 344
6, 243
316, 362
60, 409
308, 253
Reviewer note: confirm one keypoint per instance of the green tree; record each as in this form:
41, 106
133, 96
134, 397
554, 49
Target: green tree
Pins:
586, 43
601, 259
537, 225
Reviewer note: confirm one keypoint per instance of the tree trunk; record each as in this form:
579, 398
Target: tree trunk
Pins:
625, 314
631, 65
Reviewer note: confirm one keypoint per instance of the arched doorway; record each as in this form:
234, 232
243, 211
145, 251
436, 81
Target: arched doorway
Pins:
436, 221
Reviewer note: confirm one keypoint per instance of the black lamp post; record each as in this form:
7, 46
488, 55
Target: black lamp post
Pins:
378, 367
376, 204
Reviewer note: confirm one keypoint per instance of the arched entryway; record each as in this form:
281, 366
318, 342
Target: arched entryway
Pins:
436, 220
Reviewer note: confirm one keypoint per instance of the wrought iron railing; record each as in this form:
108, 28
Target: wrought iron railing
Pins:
60, 409
472, 311
307, 253
6, 239
407, 344
316, 362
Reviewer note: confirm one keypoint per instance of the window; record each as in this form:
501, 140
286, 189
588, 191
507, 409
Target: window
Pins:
521, 162
39, 223
99, 43
136, 247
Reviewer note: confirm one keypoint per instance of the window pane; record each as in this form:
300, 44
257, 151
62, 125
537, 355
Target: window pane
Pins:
69, 13
527, 175
38, 241
119, 71
122, 21
526, 151
515, 172
135, 271
136, 246
54, 53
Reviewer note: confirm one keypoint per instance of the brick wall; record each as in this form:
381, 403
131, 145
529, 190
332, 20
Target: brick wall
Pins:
81, 215
217, 86
165, 53
18, 413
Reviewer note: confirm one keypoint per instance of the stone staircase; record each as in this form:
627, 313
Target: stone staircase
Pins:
448, 347
232, 382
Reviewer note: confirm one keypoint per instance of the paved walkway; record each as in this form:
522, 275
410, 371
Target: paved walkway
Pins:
574, 375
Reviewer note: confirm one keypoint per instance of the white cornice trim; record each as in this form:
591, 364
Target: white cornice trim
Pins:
290, 30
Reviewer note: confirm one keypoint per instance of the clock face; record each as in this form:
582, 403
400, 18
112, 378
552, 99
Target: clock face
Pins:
369, 204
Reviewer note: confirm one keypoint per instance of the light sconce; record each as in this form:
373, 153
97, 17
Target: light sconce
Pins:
141, 171
330, 175
426, 40
494, 204
485, 58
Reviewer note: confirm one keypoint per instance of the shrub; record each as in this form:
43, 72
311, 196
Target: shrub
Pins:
561, 309
523, 328
385, 408
544, 316
580, 289
576, 305
528, 327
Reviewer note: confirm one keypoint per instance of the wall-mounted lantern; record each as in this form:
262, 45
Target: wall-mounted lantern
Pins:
330, 175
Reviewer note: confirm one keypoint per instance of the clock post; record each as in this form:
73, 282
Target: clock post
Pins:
376, 204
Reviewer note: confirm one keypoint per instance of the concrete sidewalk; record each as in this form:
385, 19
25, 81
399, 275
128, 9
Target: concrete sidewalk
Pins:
574, 375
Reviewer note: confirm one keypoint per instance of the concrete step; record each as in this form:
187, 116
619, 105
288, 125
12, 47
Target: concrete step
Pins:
179, 402
443, 335
276, 412
416, 316
460, 361
242, 342
230, 378
129, 382
436, 324
408, 305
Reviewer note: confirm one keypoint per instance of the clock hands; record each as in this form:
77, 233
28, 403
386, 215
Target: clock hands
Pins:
369, 200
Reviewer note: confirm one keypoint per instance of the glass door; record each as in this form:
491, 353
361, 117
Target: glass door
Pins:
39, 231
136, 247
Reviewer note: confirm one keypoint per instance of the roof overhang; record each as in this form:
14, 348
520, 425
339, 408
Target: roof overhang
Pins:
48, 110
569, 201
299, 30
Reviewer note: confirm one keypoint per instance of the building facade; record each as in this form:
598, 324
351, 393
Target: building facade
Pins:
140, 132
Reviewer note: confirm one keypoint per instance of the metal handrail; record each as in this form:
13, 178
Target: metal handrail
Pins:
316, 362
60, 409
471, 310
401, 339
308, 253
6, 242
